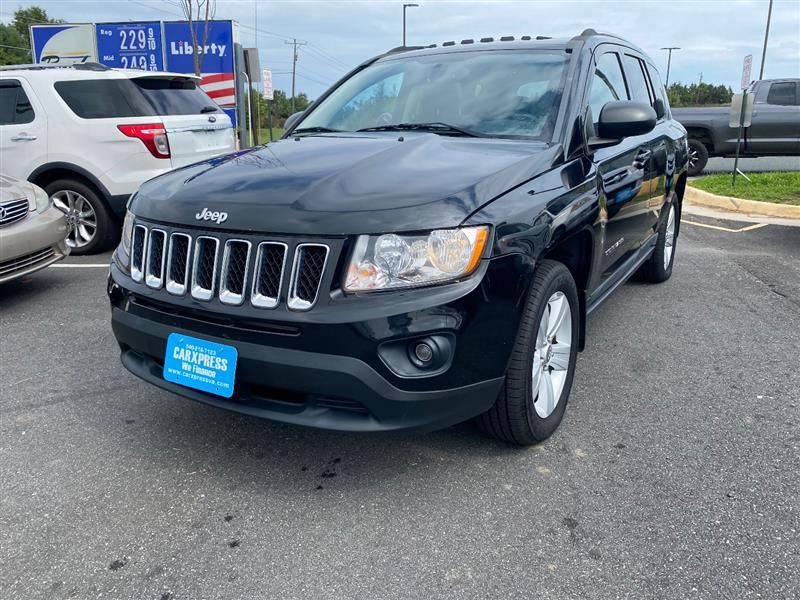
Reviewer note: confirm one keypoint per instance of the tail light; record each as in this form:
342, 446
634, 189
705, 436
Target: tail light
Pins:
153, 135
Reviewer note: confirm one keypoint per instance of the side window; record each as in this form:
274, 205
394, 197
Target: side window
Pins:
658, 87
104, 98
15, 108
636, 80
783, 94
608, 84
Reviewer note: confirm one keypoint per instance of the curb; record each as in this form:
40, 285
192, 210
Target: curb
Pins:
740, 205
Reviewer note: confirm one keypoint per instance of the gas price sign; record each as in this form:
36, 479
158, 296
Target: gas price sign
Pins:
131, 45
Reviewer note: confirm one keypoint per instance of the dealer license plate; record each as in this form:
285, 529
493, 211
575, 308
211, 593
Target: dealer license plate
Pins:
200, 364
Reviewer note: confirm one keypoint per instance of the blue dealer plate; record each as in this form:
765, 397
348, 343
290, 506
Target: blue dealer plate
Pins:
199, 364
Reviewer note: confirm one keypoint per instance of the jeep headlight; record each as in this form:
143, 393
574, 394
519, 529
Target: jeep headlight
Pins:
391, 261
127, 233
43, 201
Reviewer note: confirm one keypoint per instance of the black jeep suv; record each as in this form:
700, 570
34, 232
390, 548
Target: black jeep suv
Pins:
423, 246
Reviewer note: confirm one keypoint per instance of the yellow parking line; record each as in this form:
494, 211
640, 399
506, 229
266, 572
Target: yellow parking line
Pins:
728, 229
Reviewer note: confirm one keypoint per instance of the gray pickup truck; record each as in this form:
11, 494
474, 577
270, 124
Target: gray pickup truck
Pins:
775, 129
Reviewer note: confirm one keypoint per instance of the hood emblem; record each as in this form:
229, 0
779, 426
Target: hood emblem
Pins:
212, 215
2, 213
212, 119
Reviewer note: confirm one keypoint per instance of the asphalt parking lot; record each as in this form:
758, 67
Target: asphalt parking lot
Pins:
675, 473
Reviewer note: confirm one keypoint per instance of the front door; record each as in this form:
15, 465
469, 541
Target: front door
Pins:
626, 174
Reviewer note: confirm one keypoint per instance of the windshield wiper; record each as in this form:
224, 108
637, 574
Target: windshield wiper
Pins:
316, 130
442, 128
208, 109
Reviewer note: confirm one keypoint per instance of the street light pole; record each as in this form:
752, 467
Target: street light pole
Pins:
669, 62
766, 37
405, 6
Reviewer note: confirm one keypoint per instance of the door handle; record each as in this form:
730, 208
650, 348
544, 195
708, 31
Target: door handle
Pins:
23, 137
641, 158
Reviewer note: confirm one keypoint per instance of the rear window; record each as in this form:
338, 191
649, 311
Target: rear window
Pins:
175, 96
141, 97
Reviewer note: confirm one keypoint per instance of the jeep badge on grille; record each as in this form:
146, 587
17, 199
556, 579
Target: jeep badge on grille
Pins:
212, 215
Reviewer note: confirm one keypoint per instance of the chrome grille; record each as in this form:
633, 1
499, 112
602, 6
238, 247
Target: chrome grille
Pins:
233, 270
270, 264
178, 263
235, 262
204, 267
12, 211
154, 270
26, 261
309, 265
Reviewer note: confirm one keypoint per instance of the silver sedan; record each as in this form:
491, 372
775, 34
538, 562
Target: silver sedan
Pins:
32, 232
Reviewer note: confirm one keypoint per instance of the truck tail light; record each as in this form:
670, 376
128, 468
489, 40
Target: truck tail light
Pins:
153, 135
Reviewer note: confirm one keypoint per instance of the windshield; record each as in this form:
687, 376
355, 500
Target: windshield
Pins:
494, 93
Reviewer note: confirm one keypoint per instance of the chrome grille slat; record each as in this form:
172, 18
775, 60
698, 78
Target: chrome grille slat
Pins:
13, 211
204, 267
138, 246
268, 274
178, 263
235, 266
308, 269
154, 265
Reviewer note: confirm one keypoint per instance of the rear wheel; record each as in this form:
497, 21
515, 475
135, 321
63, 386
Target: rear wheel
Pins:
533, 398
91, 227
658, 267
698, 157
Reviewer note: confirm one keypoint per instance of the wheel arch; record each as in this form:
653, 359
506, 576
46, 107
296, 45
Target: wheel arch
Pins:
576, 252
50, 172
701, 134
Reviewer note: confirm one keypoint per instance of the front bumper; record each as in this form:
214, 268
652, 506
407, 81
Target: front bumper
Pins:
33, 243
335, 375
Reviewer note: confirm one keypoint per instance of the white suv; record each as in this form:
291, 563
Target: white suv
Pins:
90, 135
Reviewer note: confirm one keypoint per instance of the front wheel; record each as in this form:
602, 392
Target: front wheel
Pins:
533, 398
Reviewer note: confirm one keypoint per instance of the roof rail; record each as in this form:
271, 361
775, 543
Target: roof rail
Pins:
587, 33
87, 66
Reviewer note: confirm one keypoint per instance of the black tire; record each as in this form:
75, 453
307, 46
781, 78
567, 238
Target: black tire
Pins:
107, 230
657, 269
698, 157
513, 417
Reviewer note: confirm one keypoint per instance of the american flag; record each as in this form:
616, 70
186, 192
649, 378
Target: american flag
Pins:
220, 87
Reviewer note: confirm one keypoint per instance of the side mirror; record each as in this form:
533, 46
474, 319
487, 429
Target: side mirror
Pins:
292, 120
621, 119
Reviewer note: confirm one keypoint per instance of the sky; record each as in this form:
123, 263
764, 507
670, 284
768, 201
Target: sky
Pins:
714, 35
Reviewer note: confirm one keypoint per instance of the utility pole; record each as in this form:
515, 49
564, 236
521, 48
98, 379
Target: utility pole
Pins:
294, 43
405, 6
669, 61
766, 37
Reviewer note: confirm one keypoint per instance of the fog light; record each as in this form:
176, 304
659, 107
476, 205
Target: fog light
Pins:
423, 352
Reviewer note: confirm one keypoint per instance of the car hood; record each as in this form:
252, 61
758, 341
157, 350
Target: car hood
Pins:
344, 184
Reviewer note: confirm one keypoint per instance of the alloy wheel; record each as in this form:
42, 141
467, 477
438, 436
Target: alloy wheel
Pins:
551, 355
692, 158
669, 238
81, 217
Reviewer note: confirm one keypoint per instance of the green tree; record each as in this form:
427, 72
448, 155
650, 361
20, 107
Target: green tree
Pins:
698, 94
14, 37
